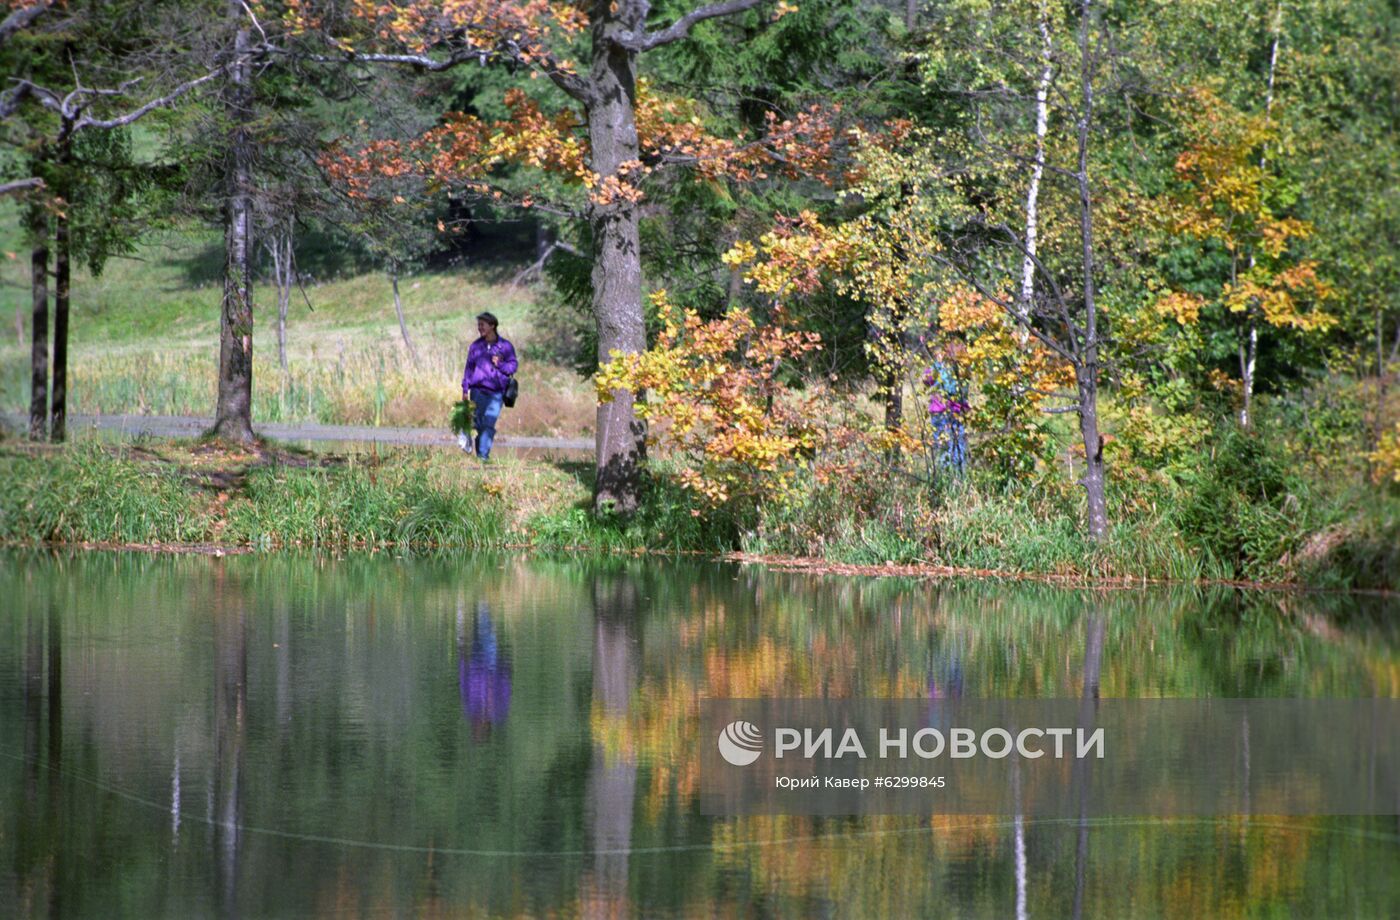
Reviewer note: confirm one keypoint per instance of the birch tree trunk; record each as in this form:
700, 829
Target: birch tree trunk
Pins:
1042, 106
1251, 351
233, 413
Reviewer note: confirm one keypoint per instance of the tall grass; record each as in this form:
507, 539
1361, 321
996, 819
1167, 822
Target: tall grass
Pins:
375, 508
87, 495
955, 522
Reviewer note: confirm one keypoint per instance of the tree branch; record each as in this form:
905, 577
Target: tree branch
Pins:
538, 265
20, 185
70, 108
681, 27
1010, 309
11, 99
21, 18
570, 83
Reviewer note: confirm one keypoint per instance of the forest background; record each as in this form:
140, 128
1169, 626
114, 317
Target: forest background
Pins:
1100, 288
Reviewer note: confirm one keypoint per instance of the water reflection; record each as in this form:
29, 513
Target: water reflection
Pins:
250, 736
612, 776
483, 672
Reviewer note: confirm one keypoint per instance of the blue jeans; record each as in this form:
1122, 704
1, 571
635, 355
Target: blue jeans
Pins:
488, 409
948, 435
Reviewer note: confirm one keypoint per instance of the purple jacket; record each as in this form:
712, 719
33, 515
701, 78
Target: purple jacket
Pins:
481, 373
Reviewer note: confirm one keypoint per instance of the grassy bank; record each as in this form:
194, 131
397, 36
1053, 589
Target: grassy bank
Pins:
165, 493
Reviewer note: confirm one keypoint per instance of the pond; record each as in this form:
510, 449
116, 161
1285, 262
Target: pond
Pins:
500, 735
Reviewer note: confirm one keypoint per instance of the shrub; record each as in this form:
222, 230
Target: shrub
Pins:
1242, 505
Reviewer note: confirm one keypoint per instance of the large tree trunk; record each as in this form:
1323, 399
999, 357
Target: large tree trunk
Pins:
233, 414
62, 275
1087, 371
617, 260
39, 325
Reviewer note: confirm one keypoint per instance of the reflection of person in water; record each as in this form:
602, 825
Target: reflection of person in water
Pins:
945, 681
483, 674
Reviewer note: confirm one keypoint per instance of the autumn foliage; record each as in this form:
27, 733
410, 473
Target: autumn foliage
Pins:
718, 390
465, 152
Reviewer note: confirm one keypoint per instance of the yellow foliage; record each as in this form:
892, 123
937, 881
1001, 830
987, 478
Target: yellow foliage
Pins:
1227, 198
1385, 459
715, 385
1182, 307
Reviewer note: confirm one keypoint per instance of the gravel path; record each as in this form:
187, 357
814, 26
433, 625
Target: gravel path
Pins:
174, 426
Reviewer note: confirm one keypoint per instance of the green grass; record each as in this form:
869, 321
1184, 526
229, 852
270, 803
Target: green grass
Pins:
374, 508
165, 492
87, 495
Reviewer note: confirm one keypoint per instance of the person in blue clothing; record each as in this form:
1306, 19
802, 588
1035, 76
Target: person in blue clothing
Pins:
946, 406
490, 365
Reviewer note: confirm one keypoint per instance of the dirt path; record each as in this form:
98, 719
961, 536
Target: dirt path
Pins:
174, 426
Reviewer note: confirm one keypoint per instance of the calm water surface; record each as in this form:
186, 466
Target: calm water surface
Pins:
508, 736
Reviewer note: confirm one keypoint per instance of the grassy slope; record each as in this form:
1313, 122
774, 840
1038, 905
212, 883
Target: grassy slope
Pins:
144, 338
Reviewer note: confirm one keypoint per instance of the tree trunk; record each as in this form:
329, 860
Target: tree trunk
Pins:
1251, 349
1087, 369
233, 414
1378, 424
62, 276
1042, 108
39, 325
617, 263
398, 311
894, 403
1248, 353
284, 277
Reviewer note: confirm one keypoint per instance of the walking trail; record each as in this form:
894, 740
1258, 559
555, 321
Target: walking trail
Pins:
175, 426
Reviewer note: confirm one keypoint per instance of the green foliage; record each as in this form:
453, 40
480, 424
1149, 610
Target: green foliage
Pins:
1242, 506
463, 413
669, 520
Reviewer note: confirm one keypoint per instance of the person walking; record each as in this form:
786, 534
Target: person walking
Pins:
490, 365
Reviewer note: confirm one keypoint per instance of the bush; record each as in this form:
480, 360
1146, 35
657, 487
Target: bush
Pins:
1242, 506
